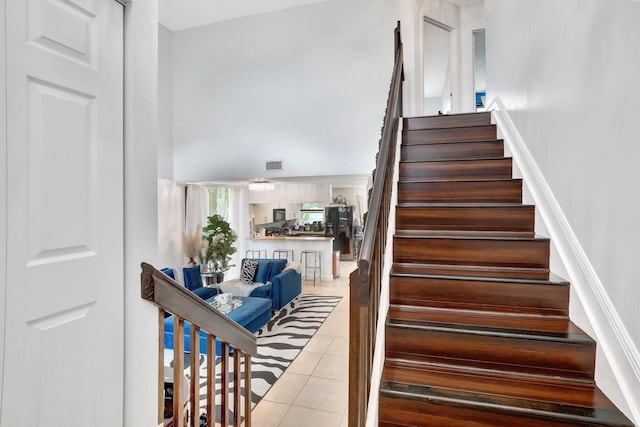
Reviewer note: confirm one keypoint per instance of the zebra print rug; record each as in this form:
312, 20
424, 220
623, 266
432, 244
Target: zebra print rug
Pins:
279, 343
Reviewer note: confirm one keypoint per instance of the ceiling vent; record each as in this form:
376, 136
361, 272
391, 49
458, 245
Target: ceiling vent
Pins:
273, 165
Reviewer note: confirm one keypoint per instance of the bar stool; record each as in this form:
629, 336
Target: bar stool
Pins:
251, 253
277, 253
317, 263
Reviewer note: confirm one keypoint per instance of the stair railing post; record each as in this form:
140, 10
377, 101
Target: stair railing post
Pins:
365, 282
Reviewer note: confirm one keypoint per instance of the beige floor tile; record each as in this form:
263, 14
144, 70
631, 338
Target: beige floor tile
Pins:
305, 363
333, 367
344, 330
340, 313
306, 417
319, 343
320, 400
331, 326
324, 394
286, 388
269, 414
339, 346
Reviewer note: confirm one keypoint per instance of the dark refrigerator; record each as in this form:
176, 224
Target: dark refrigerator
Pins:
339, 224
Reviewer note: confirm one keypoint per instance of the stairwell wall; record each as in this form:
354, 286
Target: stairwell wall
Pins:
170, 195
565, 75
306, 85
463, 20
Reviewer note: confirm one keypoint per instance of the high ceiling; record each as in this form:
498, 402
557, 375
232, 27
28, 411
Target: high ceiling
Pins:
465, 2
182, 14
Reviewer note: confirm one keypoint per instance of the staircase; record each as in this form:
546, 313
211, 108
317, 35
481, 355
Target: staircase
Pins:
478, 332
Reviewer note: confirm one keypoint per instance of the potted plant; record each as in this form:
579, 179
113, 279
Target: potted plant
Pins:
218, 239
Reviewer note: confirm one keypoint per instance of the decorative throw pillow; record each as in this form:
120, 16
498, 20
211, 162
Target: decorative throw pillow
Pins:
248, 271
192, 277
262, 274
169, 272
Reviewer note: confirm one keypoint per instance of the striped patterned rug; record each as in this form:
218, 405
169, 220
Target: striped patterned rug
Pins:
279, 343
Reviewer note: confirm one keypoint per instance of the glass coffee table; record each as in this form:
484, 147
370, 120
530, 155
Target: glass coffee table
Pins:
252, 314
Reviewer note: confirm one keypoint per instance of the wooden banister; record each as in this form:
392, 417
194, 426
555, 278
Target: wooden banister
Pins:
365, 281
166, 293
170, 297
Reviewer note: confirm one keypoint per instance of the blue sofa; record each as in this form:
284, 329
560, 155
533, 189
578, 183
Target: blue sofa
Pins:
271, 281
192, 280
253, 314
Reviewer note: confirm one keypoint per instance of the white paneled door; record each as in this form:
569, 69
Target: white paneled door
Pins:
63, 361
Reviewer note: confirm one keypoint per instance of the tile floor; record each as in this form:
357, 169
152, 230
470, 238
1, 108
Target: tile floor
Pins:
313, 391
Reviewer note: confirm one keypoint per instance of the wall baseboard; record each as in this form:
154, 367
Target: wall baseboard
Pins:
612, 336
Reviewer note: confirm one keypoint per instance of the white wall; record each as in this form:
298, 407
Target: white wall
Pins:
306, 85
289, 192
566, 73
170, 224
3, 192
170, 195
471, 19
463, 20
141, 212
435, 44
165, 103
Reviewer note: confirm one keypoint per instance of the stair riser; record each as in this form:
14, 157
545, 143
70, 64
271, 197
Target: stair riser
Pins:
575, 359
510, 253
472, 271
449, 121
469, 316
476, 133
480, 295
404, 412
456, 170
461, 192
496, 218
545, 389
452, 151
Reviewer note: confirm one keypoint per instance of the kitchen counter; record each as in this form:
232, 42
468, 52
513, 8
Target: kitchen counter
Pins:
297, 244
299, 237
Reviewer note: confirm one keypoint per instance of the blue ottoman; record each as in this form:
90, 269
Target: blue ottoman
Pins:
253, 314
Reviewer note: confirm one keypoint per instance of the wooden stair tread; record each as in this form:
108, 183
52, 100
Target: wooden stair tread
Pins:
534, 373
471, 141
549, 389
462, 205
438, 161
465, 217
446, 120
452, 150
464, 233
517, 324
425, 234
552, 279
461, 180
604, 414
461, 191
495, 295
478, 132
524, 353
471, 271
471, 180
457, 169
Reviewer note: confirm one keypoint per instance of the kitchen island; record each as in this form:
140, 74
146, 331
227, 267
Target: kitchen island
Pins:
298, 243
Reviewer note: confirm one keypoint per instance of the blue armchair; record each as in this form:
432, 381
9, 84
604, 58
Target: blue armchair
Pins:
192, 280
